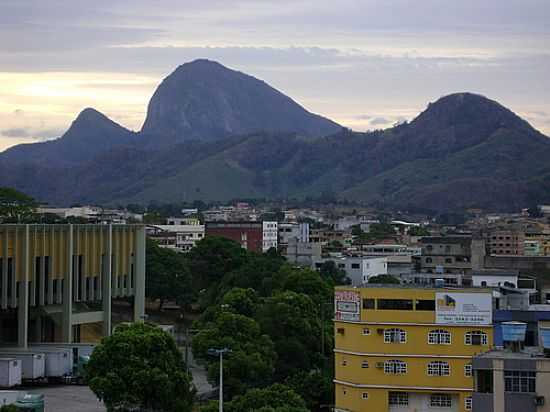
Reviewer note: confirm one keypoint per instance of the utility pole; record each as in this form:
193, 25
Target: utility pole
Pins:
220, 353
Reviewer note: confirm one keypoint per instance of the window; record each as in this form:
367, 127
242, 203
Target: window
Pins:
365, 364
366, 331
440, 400
355, 266
468, 370
365, 396
520, 381
425, 305
448, 260
475, 337
395, 304
468, 403
428, 260
395, 367
484, 381
439, 337
368, 303
398, 398
395, 335
438, 368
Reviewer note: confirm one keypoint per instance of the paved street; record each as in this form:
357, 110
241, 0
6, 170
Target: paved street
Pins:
68, 398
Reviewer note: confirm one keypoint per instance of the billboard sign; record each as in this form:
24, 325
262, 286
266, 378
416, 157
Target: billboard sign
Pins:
464, 308
347, 305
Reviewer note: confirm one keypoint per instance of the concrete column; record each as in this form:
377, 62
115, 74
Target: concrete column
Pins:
42, 274
498, 385
139, 271
67, 332
106, 281
23, 304
5, 269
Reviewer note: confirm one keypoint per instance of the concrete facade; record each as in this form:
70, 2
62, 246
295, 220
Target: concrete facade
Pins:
57, 281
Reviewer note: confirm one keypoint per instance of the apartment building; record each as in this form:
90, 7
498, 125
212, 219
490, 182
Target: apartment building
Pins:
253, 236
446, 254
57, 282
178, 237
514, 377
358, 269
408, 348
505, 242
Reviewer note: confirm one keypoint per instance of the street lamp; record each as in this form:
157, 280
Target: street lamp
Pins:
220, 352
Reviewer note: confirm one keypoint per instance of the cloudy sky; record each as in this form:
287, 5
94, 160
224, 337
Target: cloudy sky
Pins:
364, 63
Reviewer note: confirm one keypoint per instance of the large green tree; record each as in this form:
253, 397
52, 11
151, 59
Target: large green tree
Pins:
139, 366
212, 258
275, 398
167, 276
15, 207
293, 322
252, 358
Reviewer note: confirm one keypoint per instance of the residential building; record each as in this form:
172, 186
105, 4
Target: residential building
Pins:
58, 281
446, 254
433, 279
515, 377
183, 221
253, 236
270, 236
298, 231
408, 348
302, 253
505, 242
358, 269
178, 237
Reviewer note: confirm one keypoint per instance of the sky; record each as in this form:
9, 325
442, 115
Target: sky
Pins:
366, 64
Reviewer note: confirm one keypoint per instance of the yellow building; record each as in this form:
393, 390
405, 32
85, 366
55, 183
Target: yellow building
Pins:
57, 282
408, 349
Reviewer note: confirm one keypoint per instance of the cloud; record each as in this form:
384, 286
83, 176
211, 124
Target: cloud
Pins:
377, 121
15, 132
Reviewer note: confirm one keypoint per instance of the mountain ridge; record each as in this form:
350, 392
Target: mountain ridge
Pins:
463, 150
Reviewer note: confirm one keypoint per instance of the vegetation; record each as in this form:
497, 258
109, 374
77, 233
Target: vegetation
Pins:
274, 317
419, 231
15, 207
377, 231
275, 398
139, 366
385, 279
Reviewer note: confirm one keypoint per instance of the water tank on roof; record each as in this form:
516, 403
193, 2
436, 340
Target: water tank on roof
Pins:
513, 331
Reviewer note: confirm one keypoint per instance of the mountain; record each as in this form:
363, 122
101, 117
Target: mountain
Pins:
463, 151
205, 100
90, 134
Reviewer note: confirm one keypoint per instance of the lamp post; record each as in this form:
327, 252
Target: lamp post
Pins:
220, 353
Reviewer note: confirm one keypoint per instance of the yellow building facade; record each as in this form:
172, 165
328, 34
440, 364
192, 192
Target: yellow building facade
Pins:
408, 349
57, 282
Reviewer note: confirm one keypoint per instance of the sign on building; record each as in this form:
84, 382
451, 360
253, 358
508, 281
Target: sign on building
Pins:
464, 308
347, 305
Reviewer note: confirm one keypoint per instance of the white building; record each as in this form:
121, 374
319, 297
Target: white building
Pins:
298, 231
183, 221
358, 269
270, 235
180, 237
487, 278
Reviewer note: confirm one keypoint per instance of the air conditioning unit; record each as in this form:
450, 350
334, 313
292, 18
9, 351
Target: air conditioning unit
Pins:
380, 331
379, 365
539, 400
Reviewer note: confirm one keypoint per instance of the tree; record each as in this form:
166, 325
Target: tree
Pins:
331, 272
275, 398
167, 276
292, 321
15, 207
214, 257
140, 366
315, 387
419, 231
386, 279
9, 408
252, 358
